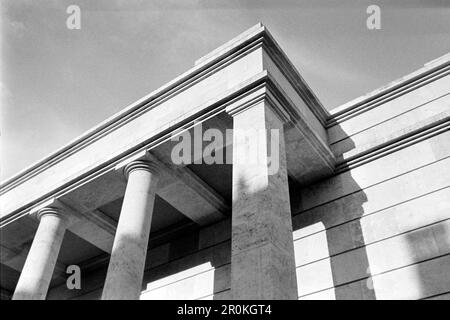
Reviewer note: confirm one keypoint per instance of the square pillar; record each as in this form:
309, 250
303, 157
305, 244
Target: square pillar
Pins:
262, 254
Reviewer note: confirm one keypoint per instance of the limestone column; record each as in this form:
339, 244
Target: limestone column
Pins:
41, 260
262, 253
126, 267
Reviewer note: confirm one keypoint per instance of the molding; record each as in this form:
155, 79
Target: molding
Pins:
137, 156
132, 111
398, 88
392, 117
142, 165
276, 96
394, 144
259, 96
56, 207
231, 44
254, 38
53, 211
286, 110
295, 79
36, 209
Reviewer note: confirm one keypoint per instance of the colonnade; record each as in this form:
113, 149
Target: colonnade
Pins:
262, 254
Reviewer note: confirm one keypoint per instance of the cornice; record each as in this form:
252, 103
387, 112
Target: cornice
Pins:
433, 127
287, 110
254, 38
431, 72
129, 113
295, 79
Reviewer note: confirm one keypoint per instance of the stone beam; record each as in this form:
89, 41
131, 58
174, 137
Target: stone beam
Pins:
14, 258
220, 122
93, 226
189, 194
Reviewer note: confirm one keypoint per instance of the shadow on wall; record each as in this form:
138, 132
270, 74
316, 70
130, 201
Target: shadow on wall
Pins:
198, 262
402, 234
331, 258
195, 265
429, 273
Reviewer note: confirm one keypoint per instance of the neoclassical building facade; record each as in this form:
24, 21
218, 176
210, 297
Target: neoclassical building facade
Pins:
358, 208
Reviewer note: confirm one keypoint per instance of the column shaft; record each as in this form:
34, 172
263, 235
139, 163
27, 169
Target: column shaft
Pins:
126, 267
37, 272
262, 261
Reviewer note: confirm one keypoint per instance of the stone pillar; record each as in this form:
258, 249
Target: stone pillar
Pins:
41, 260
126, 267
262, 251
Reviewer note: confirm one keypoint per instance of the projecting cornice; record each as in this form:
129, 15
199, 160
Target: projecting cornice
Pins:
431, 71
380, 148
255, 37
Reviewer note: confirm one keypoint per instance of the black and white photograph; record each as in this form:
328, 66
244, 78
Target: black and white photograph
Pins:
240, 152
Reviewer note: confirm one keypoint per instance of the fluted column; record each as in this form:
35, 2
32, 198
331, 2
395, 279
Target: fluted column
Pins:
41, 260
262, 252
126, 267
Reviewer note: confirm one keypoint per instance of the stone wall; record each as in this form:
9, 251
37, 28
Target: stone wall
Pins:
387, 217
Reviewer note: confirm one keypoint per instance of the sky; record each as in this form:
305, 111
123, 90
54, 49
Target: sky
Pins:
57, 83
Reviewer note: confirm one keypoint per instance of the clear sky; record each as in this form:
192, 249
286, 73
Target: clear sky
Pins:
56, 83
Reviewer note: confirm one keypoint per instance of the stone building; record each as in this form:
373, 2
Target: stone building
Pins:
358, 209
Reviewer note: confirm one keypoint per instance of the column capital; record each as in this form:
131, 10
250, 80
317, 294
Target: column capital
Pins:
51, 211
246, 102
145, 165
263, 95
